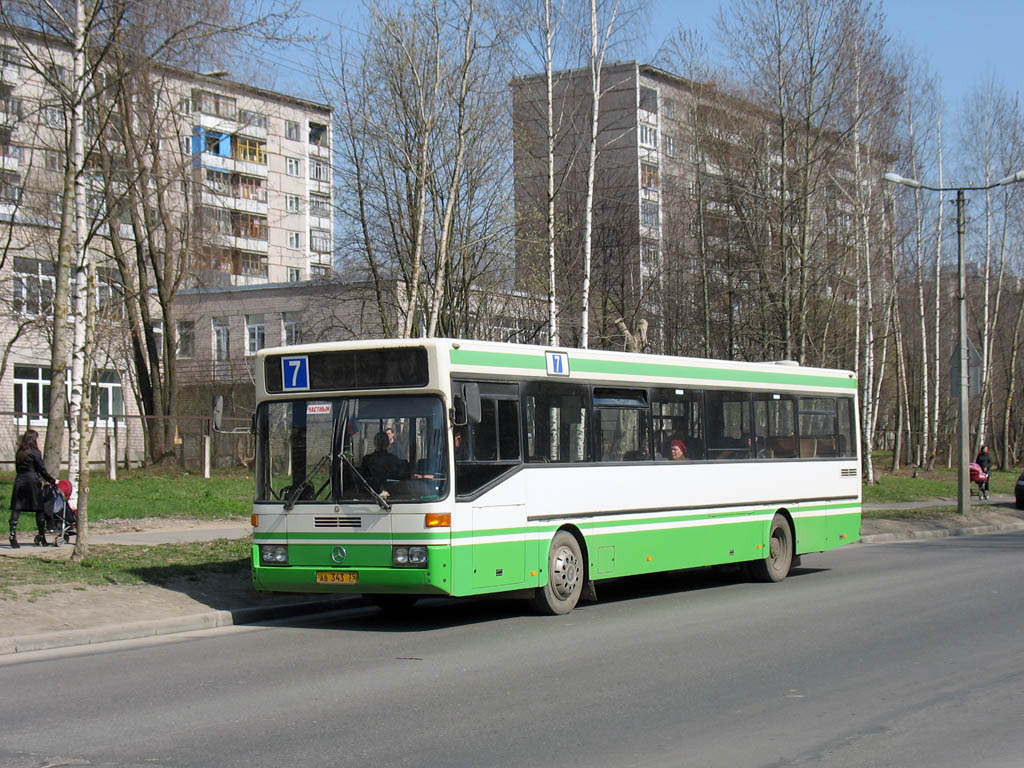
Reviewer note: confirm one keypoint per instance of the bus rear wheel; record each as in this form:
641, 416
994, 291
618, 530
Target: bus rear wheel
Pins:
776, 566
565, 577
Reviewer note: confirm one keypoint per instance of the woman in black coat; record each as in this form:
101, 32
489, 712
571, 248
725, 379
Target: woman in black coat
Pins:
985, 462
27, 495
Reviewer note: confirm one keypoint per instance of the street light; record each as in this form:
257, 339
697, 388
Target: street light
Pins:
963, 480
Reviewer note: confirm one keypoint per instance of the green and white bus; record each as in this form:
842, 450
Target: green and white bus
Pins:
407, 468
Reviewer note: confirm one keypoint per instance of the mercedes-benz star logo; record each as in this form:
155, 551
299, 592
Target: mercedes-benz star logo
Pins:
338, 554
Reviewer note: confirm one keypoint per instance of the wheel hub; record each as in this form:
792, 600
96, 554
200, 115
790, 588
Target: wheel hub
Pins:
566, 573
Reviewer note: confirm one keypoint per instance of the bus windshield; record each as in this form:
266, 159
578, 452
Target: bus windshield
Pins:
395, 448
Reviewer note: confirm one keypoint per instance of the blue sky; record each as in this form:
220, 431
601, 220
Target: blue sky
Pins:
962, 41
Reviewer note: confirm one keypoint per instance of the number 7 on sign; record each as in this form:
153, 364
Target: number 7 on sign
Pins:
295, 373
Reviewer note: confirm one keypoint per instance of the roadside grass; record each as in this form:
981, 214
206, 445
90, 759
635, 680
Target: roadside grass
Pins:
156, 492
937, 484
127, 565
923, 513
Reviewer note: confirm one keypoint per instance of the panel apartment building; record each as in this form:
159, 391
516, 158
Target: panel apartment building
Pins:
245, 177
683, 172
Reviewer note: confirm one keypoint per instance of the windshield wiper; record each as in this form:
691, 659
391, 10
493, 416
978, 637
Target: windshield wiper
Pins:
298, 488
380, 498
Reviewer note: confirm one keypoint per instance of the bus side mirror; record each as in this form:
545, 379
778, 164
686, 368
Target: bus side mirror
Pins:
467, 405
218, 418
218, 412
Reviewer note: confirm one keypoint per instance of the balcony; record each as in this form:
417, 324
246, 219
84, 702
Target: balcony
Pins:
222, 163
234, 200
218, 124
11, 74
236, 243
9, 163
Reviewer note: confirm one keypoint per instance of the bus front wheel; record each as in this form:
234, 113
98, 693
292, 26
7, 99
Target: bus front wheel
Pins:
565, 577
776, 566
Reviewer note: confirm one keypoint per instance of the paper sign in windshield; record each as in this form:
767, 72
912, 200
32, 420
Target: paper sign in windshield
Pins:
314, 408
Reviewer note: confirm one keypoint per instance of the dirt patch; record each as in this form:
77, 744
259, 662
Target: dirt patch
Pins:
147, 524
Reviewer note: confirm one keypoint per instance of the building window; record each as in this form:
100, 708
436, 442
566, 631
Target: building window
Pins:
669, 146
319, 271
255, 334
55, 160
668, 108
248, 188
292, 203
648, 175
221, 346
293, 166
318, 134
216, 104
320, 240
53, 116
648, 99
31, 390
109, 292
107, 396
649, 257
291, 130
185, 105
295, 240
250, 150
252, 119
291, 328
649, 214
319, 170
33, 287
186, 338
320, 206
294, 274
10, 188
648, 136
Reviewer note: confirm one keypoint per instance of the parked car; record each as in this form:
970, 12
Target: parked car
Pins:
1018, 491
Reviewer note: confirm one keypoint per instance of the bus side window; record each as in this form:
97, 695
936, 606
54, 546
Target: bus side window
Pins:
556, 422
730, 433
775, 425
493, 443
678, 415
846, 445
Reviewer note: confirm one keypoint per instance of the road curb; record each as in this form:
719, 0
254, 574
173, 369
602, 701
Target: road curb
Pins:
190, 623
938, 533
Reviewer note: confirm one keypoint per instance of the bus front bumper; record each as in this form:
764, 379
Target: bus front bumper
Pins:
357, 579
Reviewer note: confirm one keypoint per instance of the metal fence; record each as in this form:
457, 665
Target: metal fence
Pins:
120, 443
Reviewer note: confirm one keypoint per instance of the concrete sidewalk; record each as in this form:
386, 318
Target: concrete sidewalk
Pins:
45, 617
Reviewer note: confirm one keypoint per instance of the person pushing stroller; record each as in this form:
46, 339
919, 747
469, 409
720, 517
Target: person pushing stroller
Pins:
27, 495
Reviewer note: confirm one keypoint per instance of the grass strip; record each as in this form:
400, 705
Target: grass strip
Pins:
126, 565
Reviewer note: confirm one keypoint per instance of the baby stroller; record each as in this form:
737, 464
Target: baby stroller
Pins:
979, 476
62, 518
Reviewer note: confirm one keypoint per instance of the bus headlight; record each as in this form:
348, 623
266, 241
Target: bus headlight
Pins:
409, 557
274, 554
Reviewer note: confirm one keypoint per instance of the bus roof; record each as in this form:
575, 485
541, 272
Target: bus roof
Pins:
504, 360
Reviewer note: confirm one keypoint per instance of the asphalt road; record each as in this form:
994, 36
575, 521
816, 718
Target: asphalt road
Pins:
887, 655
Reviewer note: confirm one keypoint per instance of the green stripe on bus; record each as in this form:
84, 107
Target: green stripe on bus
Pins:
662, 370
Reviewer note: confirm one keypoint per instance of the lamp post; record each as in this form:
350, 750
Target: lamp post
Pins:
963, 479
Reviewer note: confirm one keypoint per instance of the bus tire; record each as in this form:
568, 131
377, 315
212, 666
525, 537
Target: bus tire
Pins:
776, 566
565, 577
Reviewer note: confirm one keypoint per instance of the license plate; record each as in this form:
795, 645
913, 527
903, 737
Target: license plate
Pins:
337, 577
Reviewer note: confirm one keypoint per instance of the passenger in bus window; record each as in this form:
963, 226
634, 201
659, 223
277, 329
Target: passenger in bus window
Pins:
394, 447
677, 450
459, 441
